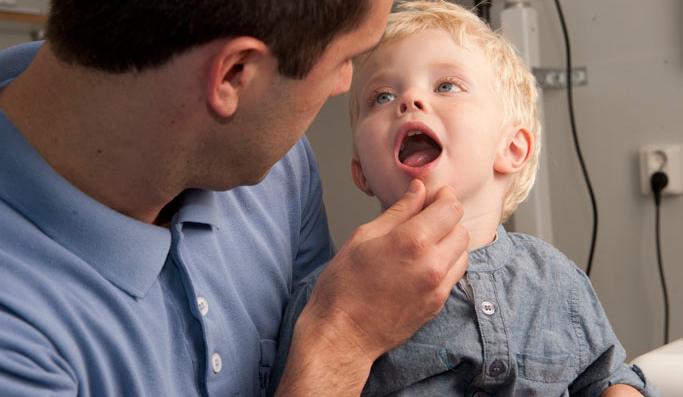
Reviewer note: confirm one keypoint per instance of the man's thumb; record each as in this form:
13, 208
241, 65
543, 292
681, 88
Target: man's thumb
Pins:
408, 206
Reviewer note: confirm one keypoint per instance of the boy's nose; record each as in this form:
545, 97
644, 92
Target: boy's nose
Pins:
411, 105
416, 105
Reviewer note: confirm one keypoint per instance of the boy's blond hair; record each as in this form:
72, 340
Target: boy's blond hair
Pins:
516, 85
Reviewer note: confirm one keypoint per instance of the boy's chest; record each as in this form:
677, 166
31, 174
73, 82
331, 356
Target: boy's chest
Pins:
491, 339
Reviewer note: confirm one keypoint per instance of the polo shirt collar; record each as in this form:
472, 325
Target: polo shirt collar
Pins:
200, 206
127, 252
492, 256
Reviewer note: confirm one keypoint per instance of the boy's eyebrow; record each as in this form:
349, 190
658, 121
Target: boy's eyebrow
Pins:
459, 68
383, 74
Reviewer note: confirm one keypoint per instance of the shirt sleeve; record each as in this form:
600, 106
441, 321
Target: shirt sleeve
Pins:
29, 365
315, 243
294, 308
602, 357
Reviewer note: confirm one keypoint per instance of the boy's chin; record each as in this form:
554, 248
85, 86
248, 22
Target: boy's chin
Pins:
432, 192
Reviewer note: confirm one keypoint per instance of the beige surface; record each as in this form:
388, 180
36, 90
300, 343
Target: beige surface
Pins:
663, 367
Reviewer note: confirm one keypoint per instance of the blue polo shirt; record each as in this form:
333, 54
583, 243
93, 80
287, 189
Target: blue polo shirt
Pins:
94, 303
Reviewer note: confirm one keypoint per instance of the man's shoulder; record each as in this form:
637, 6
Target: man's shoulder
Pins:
34, 267
15, 60
291, 175
285, 191
299, 163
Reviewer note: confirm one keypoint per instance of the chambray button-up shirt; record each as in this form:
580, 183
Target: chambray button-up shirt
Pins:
524, 321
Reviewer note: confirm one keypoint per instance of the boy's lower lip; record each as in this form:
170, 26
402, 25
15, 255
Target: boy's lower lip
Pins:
417, 172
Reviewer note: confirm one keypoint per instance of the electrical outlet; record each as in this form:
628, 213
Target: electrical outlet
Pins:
665, 158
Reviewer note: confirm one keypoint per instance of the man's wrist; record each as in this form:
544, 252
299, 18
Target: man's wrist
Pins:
325, 357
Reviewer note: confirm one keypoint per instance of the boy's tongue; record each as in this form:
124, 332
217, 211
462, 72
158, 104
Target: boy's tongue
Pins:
422, 157
419, 150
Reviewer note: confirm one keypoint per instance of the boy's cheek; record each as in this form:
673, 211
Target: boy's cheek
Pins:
388, 191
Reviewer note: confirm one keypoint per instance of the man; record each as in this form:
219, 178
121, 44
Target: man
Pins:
159, 204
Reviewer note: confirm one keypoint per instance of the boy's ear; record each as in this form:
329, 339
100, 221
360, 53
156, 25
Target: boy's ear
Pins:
234, 65
517, 147
359, 177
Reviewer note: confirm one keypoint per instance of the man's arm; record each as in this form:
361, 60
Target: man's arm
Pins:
388, 280
29, 364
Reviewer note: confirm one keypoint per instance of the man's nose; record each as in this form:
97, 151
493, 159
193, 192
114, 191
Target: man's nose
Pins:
344, 81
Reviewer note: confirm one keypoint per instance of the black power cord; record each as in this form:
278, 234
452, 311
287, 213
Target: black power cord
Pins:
483, 8
570, 104
658, 182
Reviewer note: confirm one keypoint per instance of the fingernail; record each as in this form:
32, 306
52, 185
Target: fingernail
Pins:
414, 186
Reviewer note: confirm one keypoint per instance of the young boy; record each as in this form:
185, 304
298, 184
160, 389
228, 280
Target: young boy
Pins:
445, 100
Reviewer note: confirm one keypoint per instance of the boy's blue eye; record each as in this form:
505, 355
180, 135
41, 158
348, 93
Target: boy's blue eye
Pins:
384, 97
447, 86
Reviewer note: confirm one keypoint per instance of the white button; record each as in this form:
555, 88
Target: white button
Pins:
203, 305
488, 308
216, 363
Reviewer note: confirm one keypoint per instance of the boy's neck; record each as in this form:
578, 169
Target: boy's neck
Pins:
482, 226
482, 214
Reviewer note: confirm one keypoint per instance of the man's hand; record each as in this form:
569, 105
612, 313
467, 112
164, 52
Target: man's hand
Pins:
621, 391
389, 279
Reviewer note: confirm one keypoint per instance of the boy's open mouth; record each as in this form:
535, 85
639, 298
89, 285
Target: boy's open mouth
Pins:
418, 149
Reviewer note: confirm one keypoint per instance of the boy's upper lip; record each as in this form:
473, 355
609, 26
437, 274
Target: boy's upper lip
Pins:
403, 131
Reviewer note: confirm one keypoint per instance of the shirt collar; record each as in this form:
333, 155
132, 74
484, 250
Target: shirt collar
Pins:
127, 252
492, 256
14, 60
200, 206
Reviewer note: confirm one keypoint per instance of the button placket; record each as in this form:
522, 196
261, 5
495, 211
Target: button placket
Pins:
496, 355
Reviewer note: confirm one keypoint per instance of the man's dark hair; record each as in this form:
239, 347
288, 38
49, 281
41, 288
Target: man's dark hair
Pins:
126, 35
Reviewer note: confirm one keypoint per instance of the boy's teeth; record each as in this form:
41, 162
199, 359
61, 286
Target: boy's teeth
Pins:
411, 133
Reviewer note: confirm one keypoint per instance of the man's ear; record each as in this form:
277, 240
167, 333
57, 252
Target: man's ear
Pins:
359, 177
233, 66
517, 147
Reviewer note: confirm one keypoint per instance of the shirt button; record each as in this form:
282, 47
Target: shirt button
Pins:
488, 308
216, 363
496, 368
203, 305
